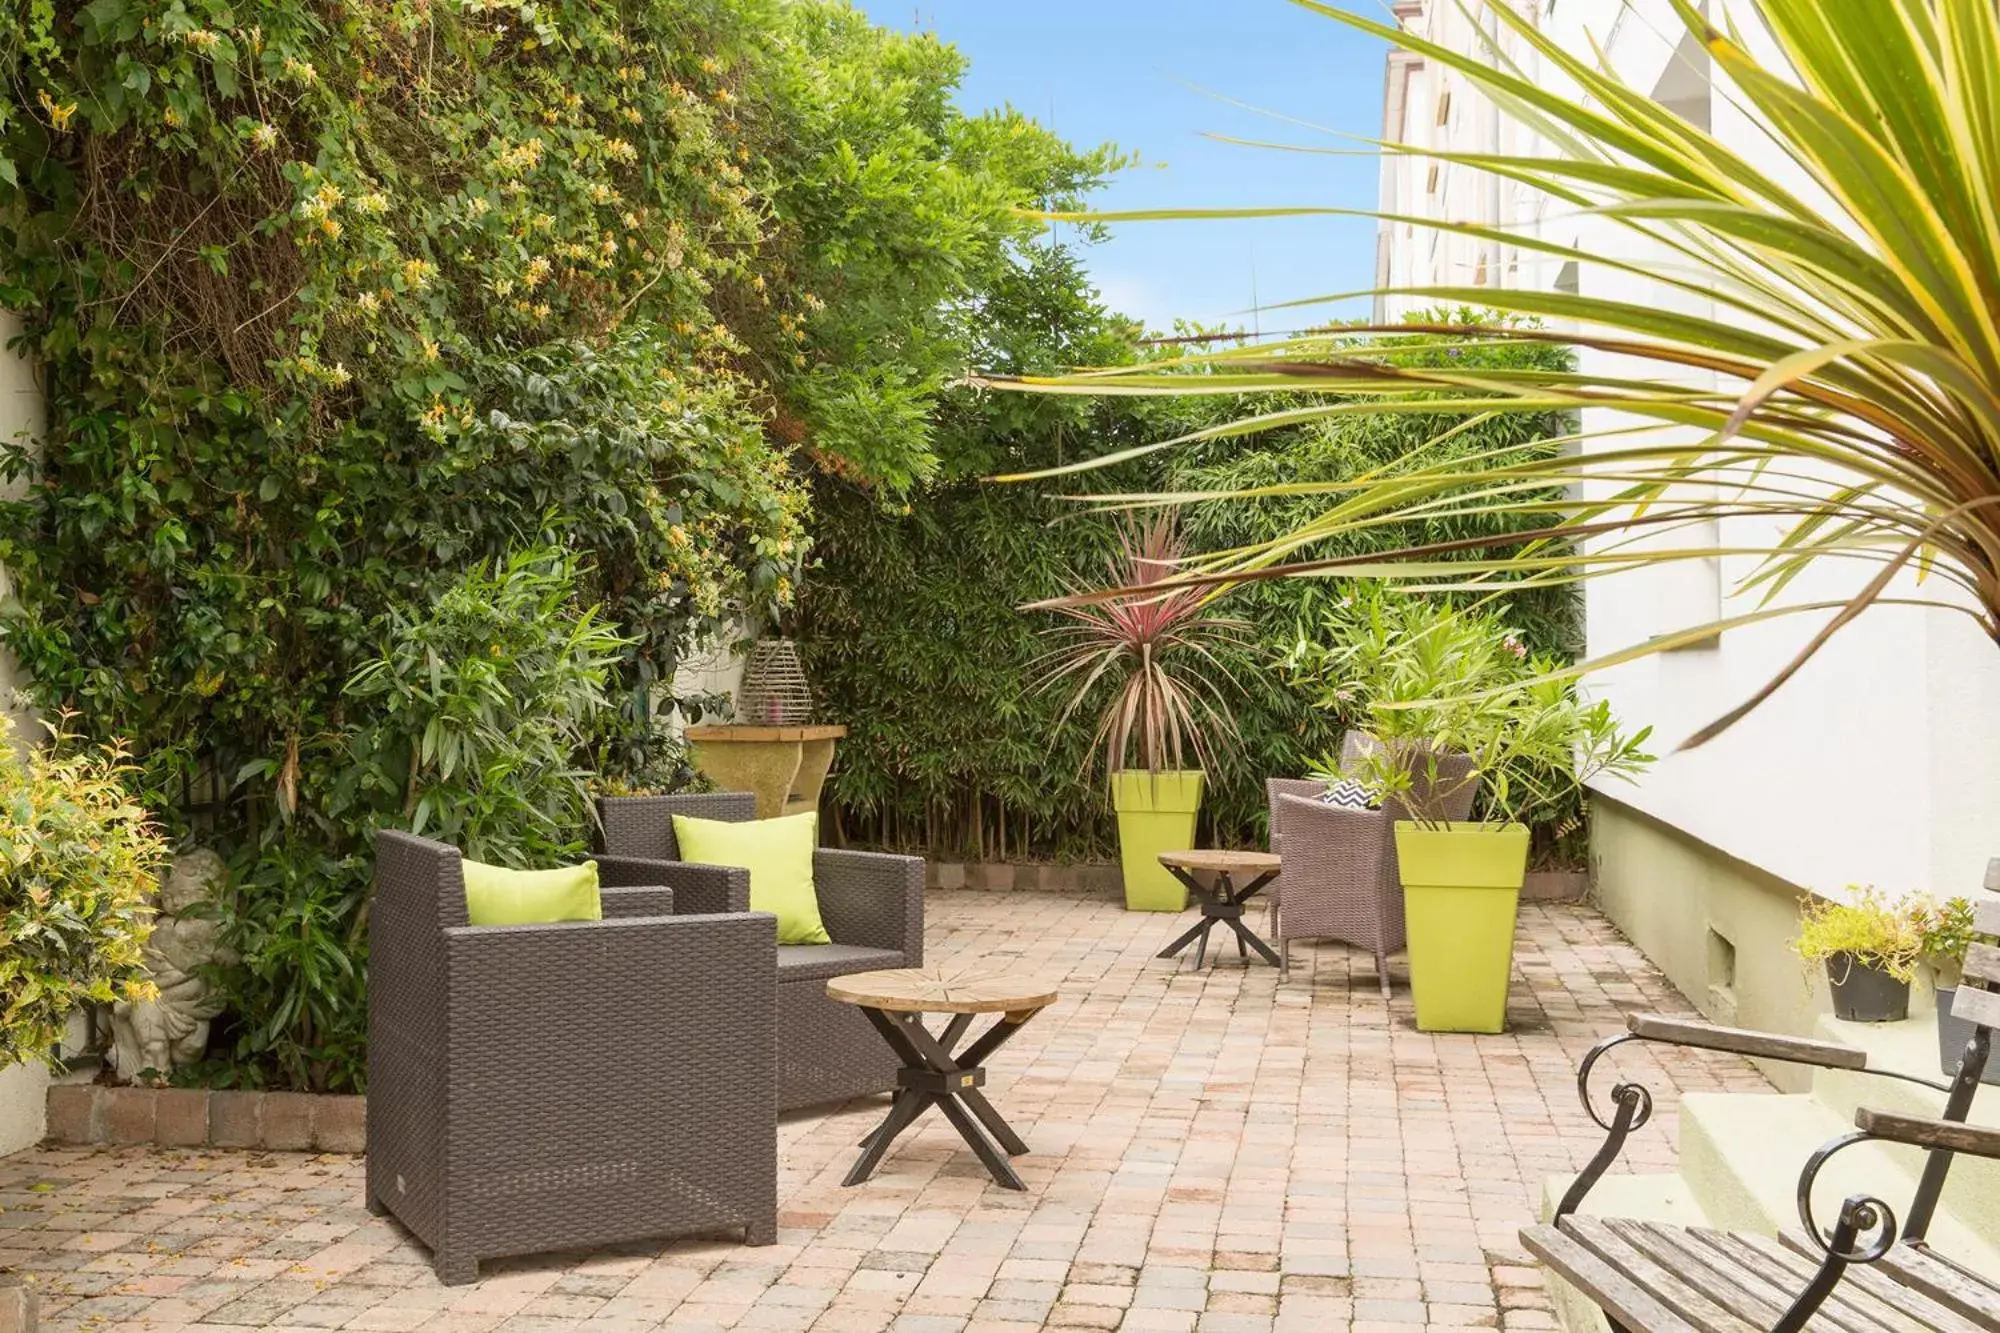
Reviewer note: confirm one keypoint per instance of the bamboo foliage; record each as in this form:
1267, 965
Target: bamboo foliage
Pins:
1853, 344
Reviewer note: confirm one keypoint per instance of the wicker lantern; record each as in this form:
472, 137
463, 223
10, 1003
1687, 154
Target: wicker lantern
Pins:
774, 692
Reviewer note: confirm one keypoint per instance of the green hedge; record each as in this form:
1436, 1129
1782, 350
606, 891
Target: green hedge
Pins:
914, 635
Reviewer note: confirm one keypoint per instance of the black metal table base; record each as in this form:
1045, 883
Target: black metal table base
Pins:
933, 1076
1221, 905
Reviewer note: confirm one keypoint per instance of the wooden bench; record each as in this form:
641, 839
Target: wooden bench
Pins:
1862, 1274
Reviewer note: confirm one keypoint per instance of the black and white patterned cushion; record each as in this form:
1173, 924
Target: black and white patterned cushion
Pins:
1351, 794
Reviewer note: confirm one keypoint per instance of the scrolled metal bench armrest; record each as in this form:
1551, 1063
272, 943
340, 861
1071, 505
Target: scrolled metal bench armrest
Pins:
1632, 1107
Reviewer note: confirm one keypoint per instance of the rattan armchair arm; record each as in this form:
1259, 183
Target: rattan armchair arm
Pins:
697, 888
873, 899
647, 900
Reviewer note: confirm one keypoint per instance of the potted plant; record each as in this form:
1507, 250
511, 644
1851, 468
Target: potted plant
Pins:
1465, 720
1869, 947
1946, 932
1155, 660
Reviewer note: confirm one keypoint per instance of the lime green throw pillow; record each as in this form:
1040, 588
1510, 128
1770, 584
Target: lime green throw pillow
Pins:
497, 896
778, 853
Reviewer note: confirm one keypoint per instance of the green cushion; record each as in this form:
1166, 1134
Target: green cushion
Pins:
778, 853
497, 896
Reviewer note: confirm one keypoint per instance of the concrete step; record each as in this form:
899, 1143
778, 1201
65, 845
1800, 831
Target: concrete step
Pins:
1741, 1154
1972, 1191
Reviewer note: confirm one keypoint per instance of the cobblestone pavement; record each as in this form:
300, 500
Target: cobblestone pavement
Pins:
1212, 1153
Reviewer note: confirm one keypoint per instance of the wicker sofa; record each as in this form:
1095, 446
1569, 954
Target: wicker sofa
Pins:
565, 1086
873, 907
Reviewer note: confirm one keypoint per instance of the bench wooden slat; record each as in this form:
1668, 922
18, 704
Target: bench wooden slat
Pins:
1925, 1132
1854, 1301
1683, 1291
1986, 911
1976, 1006
1747, 1041
1946, 1282
1982, 962
1618, 1296
1803, 1255
1750, 1297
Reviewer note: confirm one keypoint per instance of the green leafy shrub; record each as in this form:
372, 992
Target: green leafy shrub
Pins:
1868, 928
473, 716
1425, 679
79, 859
478, 709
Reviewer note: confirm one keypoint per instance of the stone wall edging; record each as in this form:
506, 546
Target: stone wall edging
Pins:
96, 1115
1105, 880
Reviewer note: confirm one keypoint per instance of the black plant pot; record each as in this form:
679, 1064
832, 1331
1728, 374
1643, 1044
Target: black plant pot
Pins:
1864, 993
1953, 1033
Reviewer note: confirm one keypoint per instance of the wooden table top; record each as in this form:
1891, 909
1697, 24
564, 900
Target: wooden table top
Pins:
951, 988
744, 733
1217, 860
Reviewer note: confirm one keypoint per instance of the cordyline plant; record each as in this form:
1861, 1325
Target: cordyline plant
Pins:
1162, 653
1854, 335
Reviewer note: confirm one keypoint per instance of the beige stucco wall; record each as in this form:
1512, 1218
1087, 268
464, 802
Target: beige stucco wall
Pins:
1720, 928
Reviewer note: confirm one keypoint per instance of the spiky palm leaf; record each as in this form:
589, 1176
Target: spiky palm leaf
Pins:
1855, 333
1163, 652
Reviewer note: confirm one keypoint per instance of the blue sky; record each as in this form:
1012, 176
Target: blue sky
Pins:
1149, 75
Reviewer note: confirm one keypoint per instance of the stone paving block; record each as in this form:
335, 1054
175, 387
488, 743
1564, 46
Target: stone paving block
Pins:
287, 1122
340, 1124
235, 1118
180, 1117
75, 1113
1209, 1153
128, 1115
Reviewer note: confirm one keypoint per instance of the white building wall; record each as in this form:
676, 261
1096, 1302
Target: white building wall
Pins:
23, 1088
1876, 764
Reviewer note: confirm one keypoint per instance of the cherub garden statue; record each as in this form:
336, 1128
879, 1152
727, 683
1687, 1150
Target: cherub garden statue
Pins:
158, 1034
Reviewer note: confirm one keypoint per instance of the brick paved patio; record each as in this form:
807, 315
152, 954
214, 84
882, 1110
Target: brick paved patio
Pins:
1212, 1154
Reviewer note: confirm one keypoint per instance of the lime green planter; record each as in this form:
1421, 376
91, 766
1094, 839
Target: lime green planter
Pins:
1156, 813
1461, 893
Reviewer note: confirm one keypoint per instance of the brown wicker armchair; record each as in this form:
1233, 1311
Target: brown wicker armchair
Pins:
565, 1086
1309, 788
873, 907
1340, 879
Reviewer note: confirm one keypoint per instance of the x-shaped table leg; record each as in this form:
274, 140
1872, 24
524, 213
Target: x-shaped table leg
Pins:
1224, 904
932, 1075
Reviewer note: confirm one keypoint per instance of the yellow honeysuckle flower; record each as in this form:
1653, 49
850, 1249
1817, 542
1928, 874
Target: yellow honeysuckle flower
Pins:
59, 113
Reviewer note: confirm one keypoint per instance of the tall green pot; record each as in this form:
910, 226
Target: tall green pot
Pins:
1461, 896
1156, 813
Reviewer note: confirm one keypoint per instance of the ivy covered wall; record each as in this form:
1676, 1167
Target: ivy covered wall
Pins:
353, 313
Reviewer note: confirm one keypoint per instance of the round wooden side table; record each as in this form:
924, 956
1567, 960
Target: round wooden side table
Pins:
933, 1073
1222, 901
